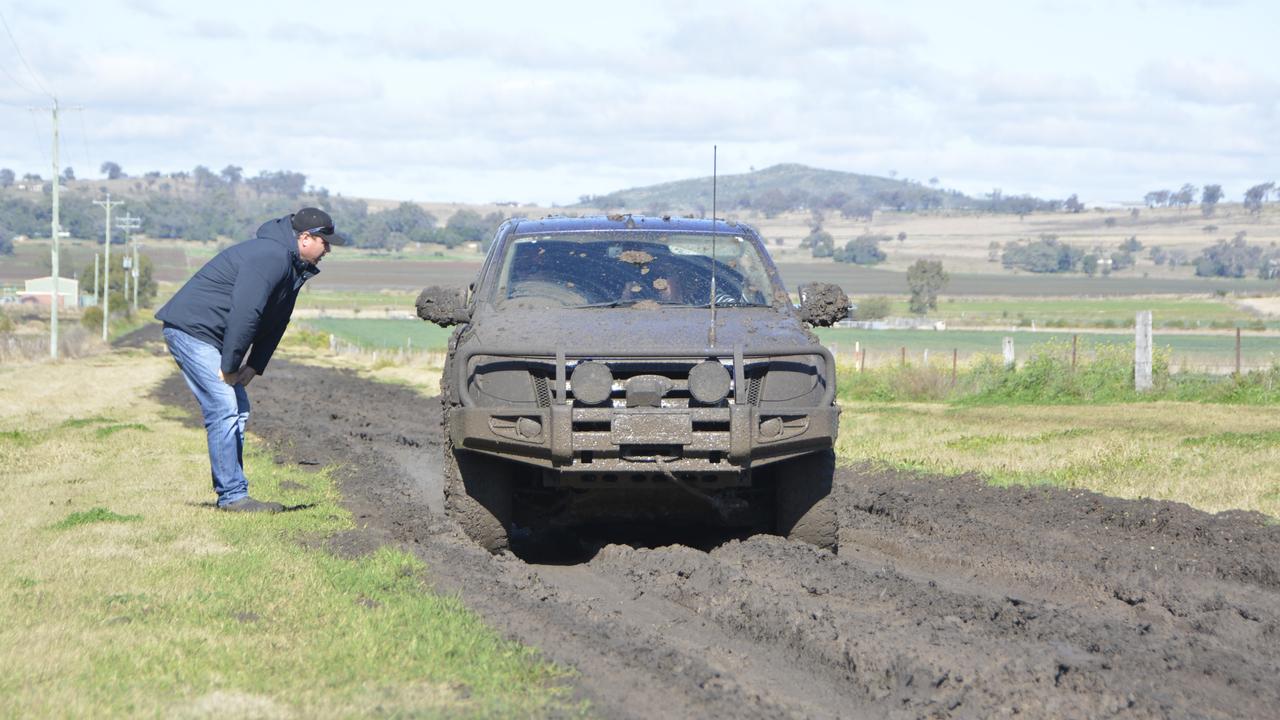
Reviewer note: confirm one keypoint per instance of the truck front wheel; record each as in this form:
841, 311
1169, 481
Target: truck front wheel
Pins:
804, 508
477, 494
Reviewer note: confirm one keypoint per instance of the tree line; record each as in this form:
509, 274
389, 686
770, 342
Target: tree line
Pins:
203, 205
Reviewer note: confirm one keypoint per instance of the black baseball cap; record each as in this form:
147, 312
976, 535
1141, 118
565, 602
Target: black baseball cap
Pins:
317, 222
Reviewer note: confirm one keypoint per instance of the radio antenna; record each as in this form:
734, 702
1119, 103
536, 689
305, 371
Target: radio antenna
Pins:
712, 335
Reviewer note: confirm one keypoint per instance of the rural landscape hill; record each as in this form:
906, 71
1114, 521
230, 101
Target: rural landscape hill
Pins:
784, 187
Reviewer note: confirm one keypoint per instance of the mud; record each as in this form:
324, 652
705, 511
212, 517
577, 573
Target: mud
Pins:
949, 598
439, 305
823, 304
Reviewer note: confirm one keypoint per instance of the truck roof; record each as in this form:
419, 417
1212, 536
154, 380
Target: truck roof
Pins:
554, 224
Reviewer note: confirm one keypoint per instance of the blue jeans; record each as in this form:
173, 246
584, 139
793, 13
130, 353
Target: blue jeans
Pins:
225, 408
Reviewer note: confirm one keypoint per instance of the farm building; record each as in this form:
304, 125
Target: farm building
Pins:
40, 290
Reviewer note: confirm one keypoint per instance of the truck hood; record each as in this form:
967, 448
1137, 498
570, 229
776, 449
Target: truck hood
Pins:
623, 329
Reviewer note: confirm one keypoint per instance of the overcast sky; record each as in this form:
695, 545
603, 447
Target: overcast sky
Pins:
547, 101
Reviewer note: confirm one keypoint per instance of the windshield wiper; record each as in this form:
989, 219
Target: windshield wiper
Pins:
731, 303
634, 301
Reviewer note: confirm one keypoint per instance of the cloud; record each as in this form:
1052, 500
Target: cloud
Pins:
1208, 82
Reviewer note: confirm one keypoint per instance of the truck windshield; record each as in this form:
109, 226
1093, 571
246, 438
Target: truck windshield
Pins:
611, 269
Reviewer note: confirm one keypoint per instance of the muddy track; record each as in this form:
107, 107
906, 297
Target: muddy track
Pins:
949, 598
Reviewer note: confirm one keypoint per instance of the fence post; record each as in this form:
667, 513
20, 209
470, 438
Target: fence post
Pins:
333, 343
862, 361
926, 357
1237, 352
1075, 340
903, 363
1142, 351
955, 354
1009, 359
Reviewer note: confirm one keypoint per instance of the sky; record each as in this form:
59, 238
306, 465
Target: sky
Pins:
544, 102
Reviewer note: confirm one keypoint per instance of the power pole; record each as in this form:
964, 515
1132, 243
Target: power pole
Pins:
55, 233
128, 224
106, 285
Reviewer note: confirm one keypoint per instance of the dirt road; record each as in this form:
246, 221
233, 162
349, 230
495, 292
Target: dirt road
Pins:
949, 598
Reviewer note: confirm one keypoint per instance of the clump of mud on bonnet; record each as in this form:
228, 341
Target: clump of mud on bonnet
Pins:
635, 257
438, 305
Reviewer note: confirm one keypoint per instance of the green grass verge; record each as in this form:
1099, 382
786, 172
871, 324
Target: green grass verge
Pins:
125, 593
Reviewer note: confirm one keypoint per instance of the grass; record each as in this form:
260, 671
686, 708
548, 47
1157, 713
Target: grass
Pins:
384, 333
1214, 457
125, 594
352, 299
96, 515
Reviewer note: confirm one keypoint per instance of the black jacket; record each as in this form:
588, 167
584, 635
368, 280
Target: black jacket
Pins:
243, 296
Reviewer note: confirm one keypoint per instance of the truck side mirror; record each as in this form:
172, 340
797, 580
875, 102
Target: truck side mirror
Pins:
823, 304
443, 306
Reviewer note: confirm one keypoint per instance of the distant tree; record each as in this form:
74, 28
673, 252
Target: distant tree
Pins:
1255, 196
772, 202
925, 279
857, 208
863, 250
1157, 198
204, 177
1121, 260
1158, 254
902, 237
1228, 258
933, 182
872, 308
1185, 196
819, 242
1089, 264
816, 217
112, 170
1073, 204
993, 251
1044, 255
465, 226
1109, 222
6, 177
68, 174
1134, 213
1132, 245
836, 200
232, 174
1209, 198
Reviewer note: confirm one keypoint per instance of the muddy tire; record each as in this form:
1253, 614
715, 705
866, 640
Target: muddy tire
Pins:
477, 494
804, 509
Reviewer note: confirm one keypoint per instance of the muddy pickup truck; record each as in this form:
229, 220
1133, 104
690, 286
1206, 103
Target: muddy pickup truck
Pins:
630, 369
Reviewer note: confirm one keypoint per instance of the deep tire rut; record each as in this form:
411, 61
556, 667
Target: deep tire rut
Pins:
950, 598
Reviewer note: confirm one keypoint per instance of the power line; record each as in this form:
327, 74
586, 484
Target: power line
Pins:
16, 81
22, 57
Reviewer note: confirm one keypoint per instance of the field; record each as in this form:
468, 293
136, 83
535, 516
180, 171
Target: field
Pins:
1214, 457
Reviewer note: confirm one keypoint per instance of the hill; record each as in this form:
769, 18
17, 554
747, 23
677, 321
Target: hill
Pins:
780, 188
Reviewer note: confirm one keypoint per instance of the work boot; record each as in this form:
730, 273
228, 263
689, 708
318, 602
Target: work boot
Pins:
248, 504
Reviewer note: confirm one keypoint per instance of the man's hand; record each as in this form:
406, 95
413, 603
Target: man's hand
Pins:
243, 377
